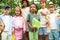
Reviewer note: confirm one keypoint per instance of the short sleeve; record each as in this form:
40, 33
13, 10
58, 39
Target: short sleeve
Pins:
38, 16
38, 12
0, 19
28, 17
24, 24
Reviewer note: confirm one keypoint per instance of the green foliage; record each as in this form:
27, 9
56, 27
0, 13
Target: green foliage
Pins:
56, 2
14, 3
59, 12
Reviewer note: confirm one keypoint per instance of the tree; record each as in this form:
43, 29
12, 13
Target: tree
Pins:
56, 2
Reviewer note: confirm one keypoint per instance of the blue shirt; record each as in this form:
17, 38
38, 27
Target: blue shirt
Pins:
8, 21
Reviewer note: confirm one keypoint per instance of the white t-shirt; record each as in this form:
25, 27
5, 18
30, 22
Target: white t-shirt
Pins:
52, 21
6, 22
42, 17
25, 12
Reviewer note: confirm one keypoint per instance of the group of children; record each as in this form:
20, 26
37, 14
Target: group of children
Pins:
20, 24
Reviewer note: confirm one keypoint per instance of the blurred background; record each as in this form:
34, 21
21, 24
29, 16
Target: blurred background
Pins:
14, 3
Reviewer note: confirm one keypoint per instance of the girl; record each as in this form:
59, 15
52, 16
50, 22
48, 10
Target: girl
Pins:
25, 8
19, 24
25, 12
33, 33
1, 27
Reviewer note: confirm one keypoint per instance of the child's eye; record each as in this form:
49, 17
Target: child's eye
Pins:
0, 25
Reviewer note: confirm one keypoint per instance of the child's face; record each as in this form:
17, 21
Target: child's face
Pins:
17, 11
33, 8
24, 4
43, 4
51, 8
6, 11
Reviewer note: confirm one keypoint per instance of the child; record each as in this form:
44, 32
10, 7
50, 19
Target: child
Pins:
53, 35
43, 13
58, 23
1, 27
25, 8
33, 32
19, 24
8, 21
25, 12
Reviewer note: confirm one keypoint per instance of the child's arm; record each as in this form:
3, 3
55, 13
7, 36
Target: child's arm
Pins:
29, 25
1, 26
24, 25
43, 13
58, 15
47, 20
28, 22
12, 25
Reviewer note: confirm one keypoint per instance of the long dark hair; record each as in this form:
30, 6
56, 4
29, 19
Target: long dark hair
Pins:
26, 2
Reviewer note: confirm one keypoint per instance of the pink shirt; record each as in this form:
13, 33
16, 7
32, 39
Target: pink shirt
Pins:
19, 22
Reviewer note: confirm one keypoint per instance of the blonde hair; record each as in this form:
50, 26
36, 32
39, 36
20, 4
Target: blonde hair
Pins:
2, 25
19, 9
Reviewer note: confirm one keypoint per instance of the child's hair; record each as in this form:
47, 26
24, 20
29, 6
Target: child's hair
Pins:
35, 5
51, 6
43, 1
19, 9
2, 25
26, 2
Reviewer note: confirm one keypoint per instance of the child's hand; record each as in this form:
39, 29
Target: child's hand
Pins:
32, 28
58, 15
25, 31
35, 28
44, 13
13, 30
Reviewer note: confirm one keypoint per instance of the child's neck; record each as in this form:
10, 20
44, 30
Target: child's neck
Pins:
43, 7
52, 12
34, 13
17, 15
25, 6
6, 14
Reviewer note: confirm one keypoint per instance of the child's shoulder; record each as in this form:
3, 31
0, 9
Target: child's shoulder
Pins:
39, 10
18, 17
1, 15
45, 9
10, 16
29, 14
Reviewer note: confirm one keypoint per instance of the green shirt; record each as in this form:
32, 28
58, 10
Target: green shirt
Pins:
30, 18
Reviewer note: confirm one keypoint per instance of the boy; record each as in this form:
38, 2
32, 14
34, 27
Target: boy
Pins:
53, 35
1, 27
7, 20
43, 13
